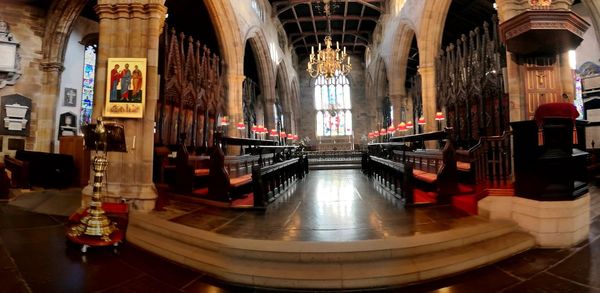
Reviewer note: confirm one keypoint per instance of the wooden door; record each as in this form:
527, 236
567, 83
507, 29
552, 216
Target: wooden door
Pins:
542, 83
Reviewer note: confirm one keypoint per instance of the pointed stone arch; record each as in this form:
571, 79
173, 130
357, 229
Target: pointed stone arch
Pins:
399, 60
259, 45
282, 85
59, 24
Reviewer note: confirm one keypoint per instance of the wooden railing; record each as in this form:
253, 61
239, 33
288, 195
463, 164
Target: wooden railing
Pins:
499, 157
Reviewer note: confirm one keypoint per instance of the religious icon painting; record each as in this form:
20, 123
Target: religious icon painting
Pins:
125, 88
70, 97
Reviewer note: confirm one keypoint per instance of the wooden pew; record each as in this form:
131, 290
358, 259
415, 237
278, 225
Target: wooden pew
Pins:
395, 175
432, 169
19, 172
269, 181
190, 170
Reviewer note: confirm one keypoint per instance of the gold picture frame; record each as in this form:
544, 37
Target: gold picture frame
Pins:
129, 73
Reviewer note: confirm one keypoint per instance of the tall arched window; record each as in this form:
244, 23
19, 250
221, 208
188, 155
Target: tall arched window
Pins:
332, 102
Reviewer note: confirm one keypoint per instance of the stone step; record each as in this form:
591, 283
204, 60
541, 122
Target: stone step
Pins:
383, 262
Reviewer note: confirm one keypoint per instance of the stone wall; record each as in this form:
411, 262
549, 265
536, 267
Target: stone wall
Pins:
26, 23
360, 118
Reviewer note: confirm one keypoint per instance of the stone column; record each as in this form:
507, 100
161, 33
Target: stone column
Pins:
46, 110
130, 30
235, 109
429, 93
396, 101
566, 77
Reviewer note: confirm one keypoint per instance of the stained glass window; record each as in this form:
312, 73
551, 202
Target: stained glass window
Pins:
87, 93
332, 102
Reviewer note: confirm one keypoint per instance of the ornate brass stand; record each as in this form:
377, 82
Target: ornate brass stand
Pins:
95, 223
94, 228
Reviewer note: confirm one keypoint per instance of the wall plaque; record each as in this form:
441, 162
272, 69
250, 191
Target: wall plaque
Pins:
16, 115
10, 65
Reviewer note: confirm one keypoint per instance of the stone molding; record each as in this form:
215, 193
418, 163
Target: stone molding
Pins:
551, 223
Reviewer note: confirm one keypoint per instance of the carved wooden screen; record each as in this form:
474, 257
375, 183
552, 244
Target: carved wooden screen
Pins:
470, 85
192, 92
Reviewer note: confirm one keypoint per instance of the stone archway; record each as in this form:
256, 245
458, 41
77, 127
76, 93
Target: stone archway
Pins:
295, 104
257, 41
429, 43
404, 35
282, 87
60, 18
231, 47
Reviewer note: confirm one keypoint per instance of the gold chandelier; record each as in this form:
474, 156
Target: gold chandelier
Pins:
328, 62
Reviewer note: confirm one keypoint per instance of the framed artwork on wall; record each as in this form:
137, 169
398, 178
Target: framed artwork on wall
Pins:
125, 88
70, 97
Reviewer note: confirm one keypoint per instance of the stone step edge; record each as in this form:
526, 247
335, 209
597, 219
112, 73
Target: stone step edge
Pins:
371, 273
323, 251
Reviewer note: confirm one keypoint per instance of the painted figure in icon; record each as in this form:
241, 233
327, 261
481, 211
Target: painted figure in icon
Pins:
136, 77
115, 78
125, 82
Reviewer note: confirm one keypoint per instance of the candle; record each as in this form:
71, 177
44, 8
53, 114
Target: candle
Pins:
319, 47
312, 50
337, 45
344, 50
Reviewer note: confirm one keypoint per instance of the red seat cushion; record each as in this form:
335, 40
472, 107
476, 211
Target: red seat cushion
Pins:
427, 177
201, 172
239, 181
463, 166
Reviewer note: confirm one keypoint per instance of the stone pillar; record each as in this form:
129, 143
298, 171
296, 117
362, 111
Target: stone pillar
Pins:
429, 93
46, 110
566, 77
515, 85
130, 30
235, 109
396, 101
269, 113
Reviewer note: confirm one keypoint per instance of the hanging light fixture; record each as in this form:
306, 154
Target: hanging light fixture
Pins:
328, 62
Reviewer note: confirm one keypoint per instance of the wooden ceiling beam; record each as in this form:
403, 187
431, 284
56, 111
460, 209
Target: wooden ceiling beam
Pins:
296, 37
289, 4
333, 17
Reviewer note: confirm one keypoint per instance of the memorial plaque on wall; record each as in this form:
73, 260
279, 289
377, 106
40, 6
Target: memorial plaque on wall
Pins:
15, 144
67, 125
16, 115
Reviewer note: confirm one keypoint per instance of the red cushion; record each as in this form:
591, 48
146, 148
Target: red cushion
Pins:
427, 177
565, 110
463, 166
201, 172
239, 181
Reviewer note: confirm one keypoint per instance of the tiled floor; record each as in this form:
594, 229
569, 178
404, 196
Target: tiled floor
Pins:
328, 205
34, 256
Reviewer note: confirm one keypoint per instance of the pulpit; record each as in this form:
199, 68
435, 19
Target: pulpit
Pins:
548, 160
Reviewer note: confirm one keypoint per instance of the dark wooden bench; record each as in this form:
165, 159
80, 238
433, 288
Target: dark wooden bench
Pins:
19, 172
190, 171
395, 175
432, 169
47, 170
269, 181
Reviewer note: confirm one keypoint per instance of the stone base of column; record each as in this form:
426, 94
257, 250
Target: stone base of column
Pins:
553, 224
142, 197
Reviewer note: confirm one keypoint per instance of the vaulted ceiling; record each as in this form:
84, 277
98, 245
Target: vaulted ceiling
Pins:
351, 22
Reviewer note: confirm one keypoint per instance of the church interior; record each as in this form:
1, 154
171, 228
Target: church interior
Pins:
300, 145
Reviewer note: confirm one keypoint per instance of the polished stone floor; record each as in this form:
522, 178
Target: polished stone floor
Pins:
34, 257
328, 205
